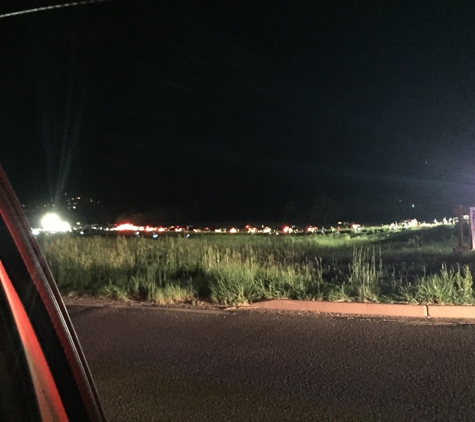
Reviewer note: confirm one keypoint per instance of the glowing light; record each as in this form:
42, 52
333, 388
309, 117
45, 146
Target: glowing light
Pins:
233, 230
52, 223
126, 227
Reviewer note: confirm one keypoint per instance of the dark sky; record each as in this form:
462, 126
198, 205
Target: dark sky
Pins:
236, 108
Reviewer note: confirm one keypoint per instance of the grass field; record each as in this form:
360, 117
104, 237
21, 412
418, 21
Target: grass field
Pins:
416, 266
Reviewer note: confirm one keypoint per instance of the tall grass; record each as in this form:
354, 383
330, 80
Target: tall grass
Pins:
365, 275
241, 269
449, 286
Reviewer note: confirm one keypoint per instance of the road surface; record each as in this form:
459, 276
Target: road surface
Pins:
152, 364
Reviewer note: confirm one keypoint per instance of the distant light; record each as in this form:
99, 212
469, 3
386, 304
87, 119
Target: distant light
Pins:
251, 229
126, 227
52, 223
35, 232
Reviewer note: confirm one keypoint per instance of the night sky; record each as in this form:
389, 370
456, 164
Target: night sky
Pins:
242, 110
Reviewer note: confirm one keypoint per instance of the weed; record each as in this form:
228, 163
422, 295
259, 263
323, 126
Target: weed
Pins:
365, 275
452, 286
241, 269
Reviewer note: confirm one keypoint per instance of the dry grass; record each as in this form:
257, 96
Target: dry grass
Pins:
242, 269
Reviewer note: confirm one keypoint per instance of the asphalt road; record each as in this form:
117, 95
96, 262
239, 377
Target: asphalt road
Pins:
164, 365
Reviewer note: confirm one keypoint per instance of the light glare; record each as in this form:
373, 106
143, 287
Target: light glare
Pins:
52, 223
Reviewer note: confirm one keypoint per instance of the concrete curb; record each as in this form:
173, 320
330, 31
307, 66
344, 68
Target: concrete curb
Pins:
451, 311
373, 309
